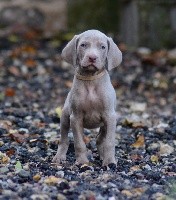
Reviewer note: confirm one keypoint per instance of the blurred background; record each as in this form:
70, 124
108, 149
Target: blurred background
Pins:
150, 23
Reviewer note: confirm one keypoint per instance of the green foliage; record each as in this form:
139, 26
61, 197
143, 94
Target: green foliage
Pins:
18, 166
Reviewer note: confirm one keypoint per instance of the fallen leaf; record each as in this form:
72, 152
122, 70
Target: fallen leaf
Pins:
31, 35
68, 84
13, 38
134, 121
5, 124
20, 138
154, 158
10, 152
139, 142
134, 192
14, 70
1, 143
138, 191
58, 111
29, 49
52, 180
30, 63
18, 166
86, 139
36, 177
1, 96
9, 92
135, 157
137, 125
127, 193
4, 159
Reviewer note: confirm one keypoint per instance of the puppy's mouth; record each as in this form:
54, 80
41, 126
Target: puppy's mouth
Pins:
90, 67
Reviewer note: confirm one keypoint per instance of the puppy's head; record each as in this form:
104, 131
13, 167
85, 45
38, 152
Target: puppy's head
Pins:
91, 51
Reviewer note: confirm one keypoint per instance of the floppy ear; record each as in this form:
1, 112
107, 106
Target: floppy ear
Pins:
69, 53
114, 55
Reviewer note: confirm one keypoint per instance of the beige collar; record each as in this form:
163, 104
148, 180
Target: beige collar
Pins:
90, 78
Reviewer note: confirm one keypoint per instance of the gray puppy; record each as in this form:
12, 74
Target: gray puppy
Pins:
92, 100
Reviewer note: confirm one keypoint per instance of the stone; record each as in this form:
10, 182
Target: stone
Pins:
24, 174
4, 170
172, 54
61, 197
60, 174
165, 149
144, 51
39, 197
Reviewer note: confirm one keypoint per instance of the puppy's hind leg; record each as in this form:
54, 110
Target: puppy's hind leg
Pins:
99, 142
64, 142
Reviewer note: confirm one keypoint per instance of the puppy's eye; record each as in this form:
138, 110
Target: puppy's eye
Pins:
83, 45
103, 47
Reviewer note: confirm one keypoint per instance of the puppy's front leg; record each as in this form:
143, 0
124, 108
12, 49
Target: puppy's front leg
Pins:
109, 140
63, 145
80, 147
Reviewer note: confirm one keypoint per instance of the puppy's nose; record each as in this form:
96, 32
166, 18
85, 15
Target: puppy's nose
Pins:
92, 59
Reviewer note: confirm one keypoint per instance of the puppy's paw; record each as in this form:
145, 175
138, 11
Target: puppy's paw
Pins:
59, 158
108, 161
81, 160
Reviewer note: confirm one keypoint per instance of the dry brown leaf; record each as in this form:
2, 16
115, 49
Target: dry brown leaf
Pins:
10, 152
5, 124
20, 138
14, 70
86, 139
30, 63
135, 157
4, 159
9, 92
68, 84
28, 49
140, 142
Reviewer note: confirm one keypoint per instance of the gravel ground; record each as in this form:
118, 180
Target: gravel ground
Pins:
34, 82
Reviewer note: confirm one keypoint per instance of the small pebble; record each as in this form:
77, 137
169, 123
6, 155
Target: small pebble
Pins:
24, 174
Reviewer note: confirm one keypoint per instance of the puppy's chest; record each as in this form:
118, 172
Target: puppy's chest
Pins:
90, 100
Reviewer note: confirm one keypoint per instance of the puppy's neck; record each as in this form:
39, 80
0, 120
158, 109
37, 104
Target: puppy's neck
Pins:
87, 73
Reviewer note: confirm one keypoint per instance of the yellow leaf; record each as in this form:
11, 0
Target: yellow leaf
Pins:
139, 142
4, 159
154, 158
138, 191
37, 177
59, 111
52, 180
127, 193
